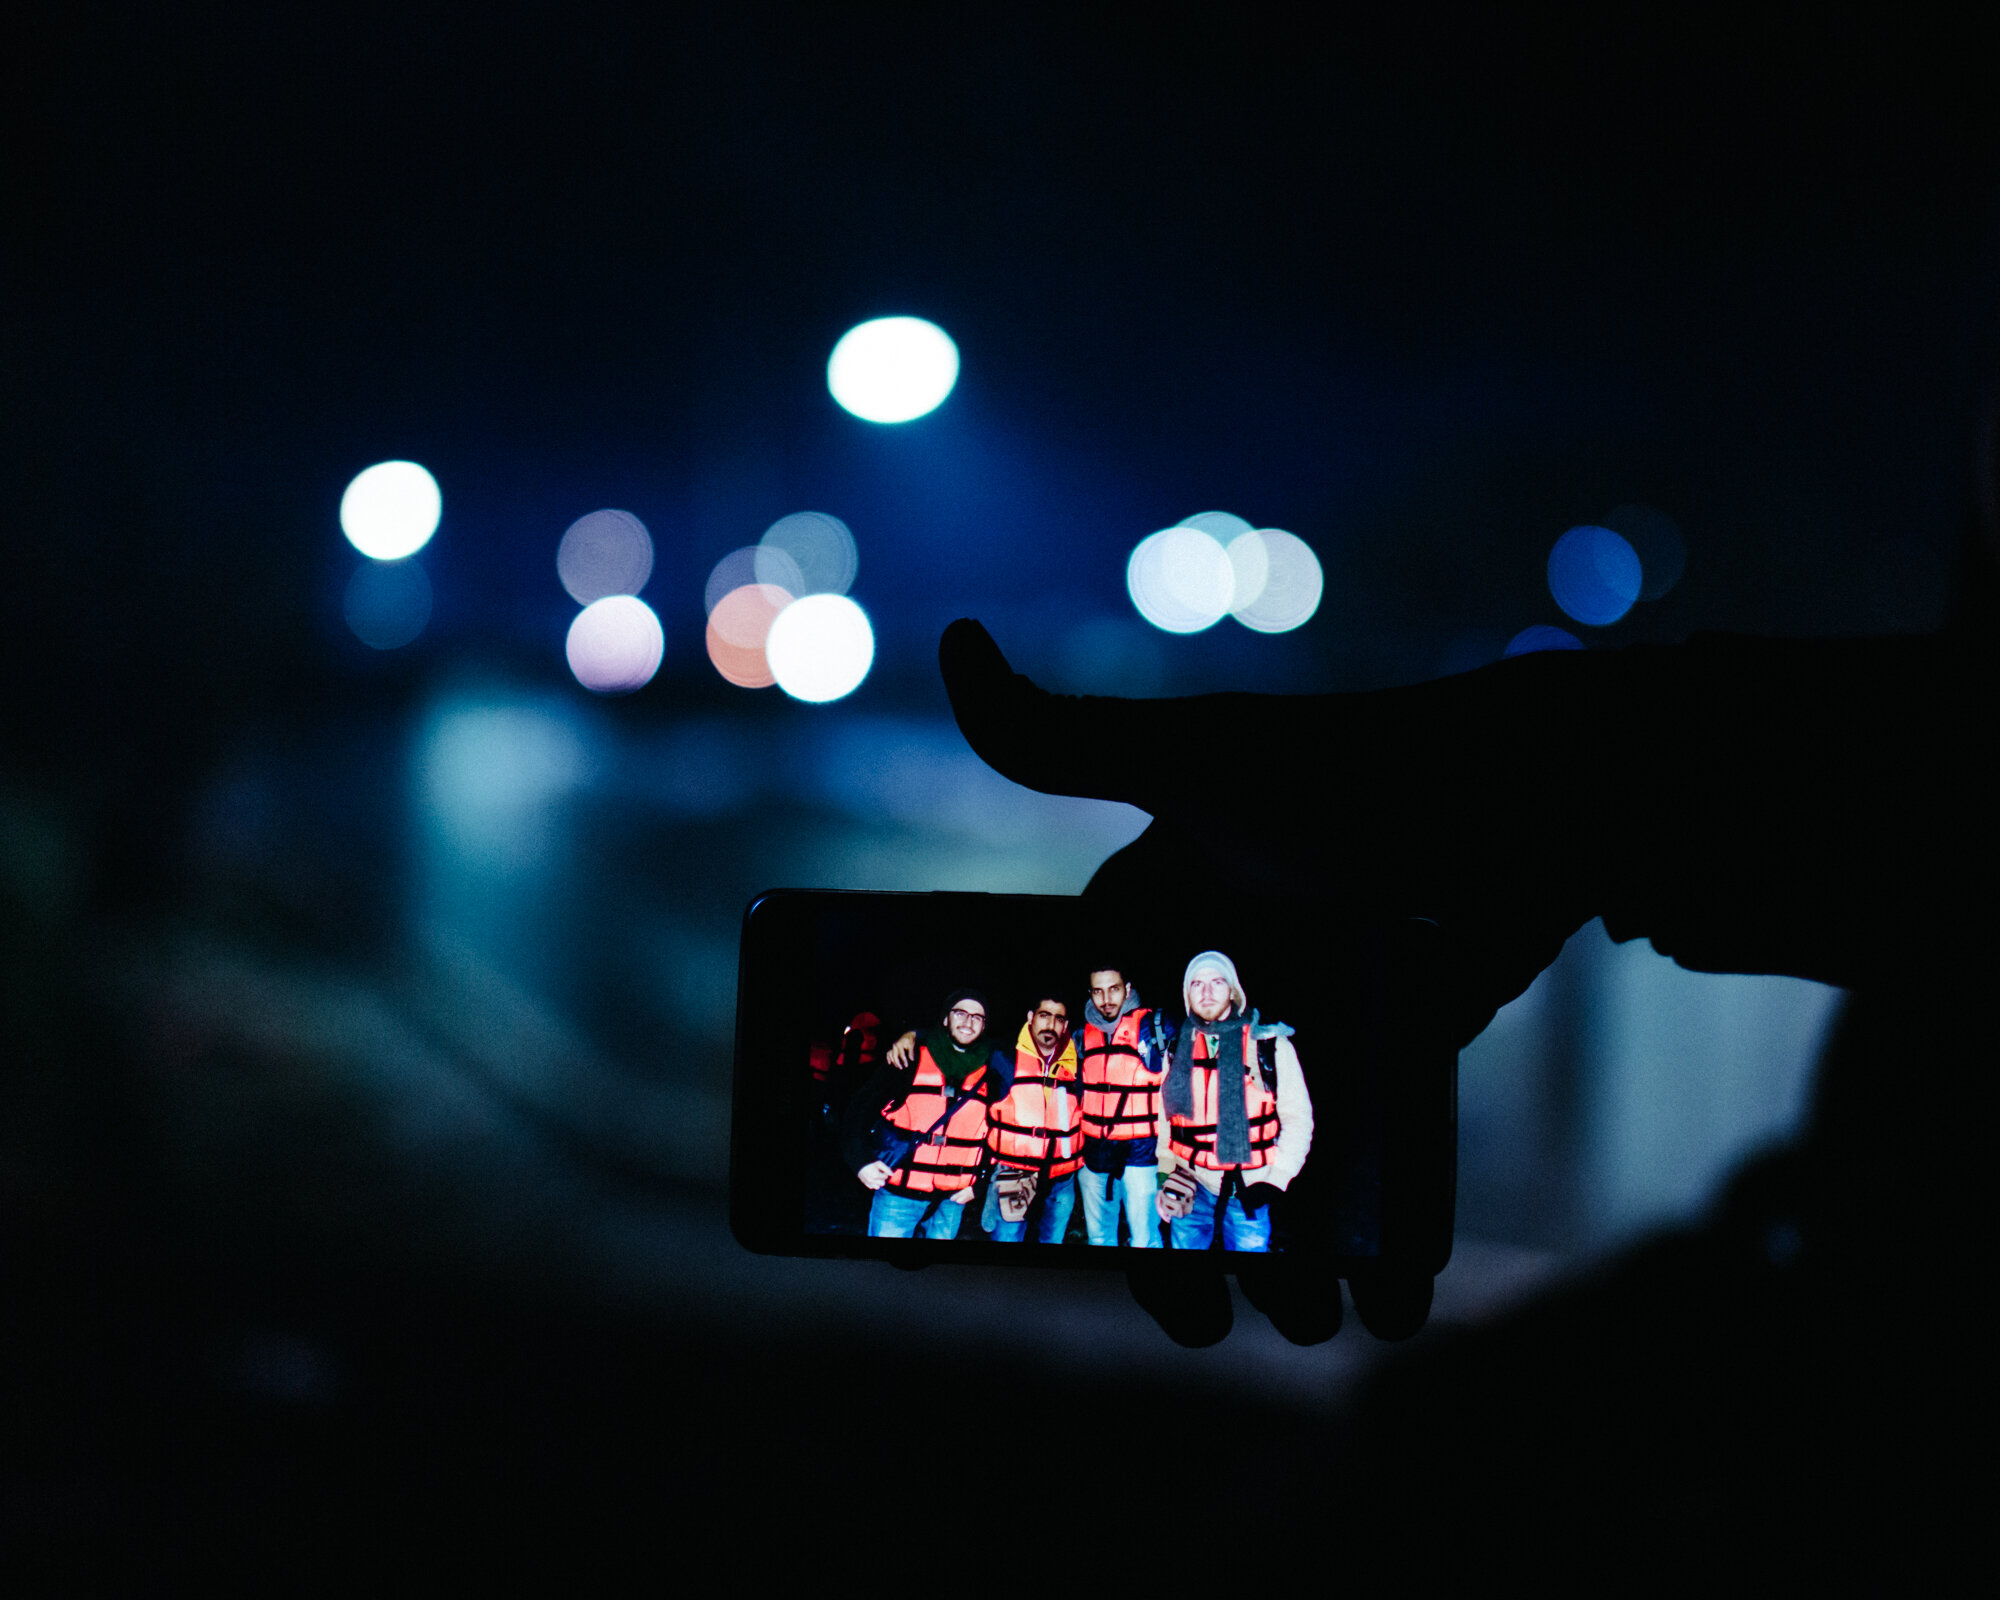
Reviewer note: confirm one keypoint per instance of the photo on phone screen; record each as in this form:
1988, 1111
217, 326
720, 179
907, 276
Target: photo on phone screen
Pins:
1036, 1077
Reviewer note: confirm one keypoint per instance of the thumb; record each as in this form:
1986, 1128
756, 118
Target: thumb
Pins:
1012, 724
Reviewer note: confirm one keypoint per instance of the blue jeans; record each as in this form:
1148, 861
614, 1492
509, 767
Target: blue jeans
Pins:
1057, 1201
1133, 1193
1240, 1230
899, 1216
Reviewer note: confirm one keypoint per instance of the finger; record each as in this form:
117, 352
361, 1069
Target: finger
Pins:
1392, 1307
1302, 1304
1008, 721
1192, 1308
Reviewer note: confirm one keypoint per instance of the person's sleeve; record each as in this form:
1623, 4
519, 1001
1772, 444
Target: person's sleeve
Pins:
1295, 1121
1164, 1159
859, 1142
1001, 1064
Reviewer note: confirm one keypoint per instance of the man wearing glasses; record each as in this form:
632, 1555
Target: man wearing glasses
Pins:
926, 1143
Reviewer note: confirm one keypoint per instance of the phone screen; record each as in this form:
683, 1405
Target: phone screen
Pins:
1045, 1080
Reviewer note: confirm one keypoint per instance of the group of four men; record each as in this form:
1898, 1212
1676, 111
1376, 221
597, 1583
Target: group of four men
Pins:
1176, 1133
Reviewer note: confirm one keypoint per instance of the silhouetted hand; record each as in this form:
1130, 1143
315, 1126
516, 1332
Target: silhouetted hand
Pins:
1377, 803
1352, 801
1779, 806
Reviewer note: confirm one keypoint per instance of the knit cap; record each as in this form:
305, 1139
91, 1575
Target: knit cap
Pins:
1214, 961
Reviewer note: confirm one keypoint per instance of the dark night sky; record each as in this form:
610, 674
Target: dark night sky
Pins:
1424, 290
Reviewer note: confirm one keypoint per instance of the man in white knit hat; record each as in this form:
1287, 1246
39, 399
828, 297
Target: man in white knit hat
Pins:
1235, 1119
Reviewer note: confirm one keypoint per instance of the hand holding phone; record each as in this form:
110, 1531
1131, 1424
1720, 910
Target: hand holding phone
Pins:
1390, 837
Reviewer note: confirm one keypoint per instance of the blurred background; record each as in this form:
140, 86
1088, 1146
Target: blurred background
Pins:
373, 848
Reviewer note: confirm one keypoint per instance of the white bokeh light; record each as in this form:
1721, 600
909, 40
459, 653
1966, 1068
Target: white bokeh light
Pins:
1291, 584
1250, 563
391, 510
1181, 579
893, 369
820, 647
615, 645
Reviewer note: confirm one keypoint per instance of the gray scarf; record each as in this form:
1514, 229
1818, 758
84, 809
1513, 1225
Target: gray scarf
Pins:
1225, 1055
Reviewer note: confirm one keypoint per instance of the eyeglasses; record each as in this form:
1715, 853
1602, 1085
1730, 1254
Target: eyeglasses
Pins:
959, 1014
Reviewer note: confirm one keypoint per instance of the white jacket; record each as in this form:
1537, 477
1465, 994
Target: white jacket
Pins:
1295, 1130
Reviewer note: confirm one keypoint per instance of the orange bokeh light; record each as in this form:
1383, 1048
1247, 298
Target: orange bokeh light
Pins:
737, 629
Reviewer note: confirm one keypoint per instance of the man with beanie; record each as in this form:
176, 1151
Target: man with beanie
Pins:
919, 1139
1235, 1118
1122, 1055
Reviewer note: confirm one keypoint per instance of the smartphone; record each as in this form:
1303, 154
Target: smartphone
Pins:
909, 1065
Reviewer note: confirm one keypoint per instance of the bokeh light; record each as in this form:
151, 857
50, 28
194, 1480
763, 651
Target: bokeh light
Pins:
1656, 538
1221, 526
391, 510
738, 626
1278, 578
604, 553
489, 777
1593, 575
615, 644
1250, 570
1541, 637
741, 567
819, 549
893, 369
820, 647
1181, 580
387, 603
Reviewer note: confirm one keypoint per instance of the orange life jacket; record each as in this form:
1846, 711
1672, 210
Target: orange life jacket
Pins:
950, 1148
1121, 1097
1039, 1124
1193, 1137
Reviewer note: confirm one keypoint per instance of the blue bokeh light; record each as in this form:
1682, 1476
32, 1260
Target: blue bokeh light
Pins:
387, 603
1594, 575
1541, 637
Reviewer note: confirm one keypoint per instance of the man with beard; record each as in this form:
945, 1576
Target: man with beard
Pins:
1122, 1059
923, 1143
1036, 1132
1234, 1114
